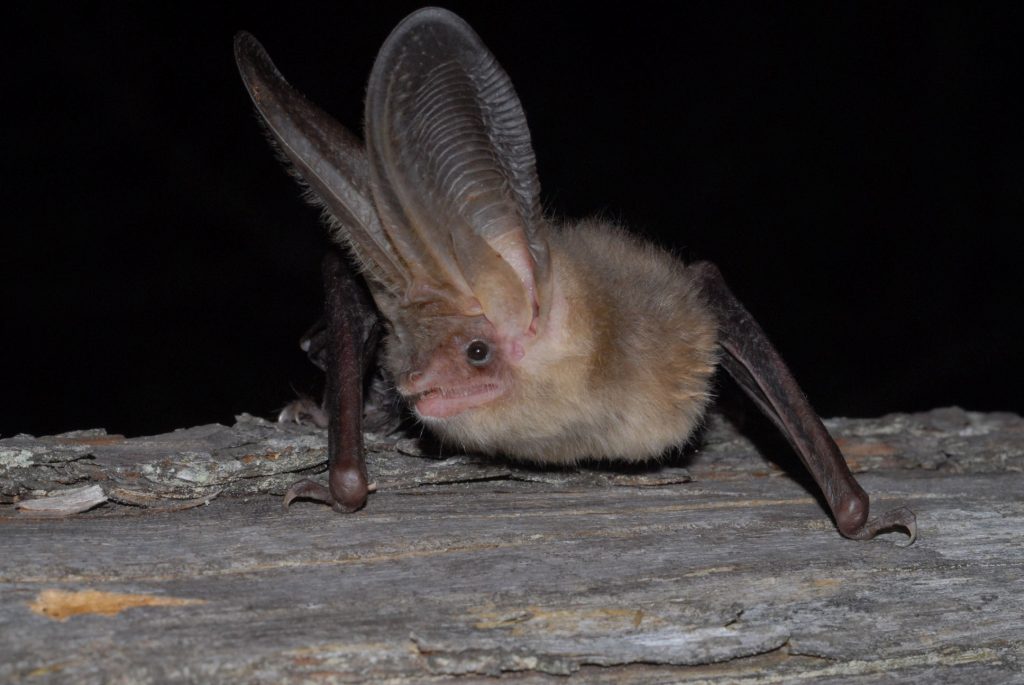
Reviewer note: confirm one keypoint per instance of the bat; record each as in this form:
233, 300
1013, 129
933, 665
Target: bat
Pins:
504, 331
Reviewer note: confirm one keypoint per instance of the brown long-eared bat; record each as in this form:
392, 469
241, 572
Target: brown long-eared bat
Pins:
503, 331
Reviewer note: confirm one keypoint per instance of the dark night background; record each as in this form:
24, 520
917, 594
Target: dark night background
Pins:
855, 169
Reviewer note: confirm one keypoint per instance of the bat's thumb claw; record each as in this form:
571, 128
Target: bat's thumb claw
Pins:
307, 489
901, 519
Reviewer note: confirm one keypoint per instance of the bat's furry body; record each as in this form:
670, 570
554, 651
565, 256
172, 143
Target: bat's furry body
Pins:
621, 369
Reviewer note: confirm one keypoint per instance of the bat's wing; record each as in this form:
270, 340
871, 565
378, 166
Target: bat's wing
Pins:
751, 359
329, 160
453, 172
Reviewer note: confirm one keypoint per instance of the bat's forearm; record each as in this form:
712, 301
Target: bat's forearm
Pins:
352, 332
750, 358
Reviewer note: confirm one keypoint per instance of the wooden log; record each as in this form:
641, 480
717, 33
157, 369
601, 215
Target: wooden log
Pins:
462, 569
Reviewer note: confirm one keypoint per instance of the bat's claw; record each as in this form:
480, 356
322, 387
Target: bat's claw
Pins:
308, 489
901, 519
303, 411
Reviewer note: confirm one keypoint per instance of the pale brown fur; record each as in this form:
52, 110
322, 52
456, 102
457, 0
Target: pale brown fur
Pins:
633, 380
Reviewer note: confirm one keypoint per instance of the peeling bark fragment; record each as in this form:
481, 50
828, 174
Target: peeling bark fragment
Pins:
65, 502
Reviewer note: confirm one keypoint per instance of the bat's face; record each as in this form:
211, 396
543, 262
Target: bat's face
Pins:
446, 366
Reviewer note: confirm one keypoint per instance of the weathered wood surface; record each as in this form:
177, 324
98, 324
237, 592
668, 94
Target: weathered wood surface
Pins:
465, 569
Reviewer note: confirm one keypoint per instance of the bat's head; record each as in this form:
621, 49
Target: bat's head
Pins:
491, 387
459, 261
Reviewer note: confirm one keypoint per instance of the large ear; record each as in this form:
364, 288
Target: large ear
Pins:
328, 159
453, 170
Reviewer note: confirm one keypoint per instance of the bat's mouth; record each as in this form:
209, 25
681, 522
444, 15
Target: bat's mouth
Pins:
443, 402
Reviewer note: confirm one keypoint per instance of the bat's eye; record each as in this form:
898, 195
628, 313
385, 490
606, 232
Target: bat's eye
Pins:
478, 353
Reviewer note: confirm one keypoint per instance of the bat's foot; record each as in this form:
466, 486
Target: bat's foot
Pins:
303, 411
901, 519
308, 489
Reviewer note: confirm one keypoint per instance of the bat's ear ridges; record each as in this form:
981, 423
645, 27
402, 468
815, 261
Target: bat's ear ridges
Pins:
452, 163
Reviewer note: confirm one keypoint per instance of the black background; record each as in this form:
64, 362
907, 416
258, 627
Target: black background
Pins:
855, 169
